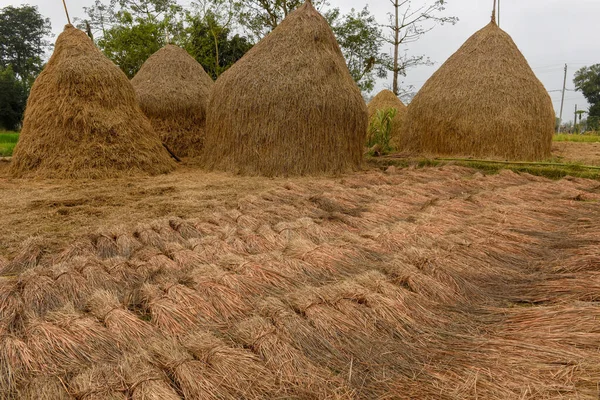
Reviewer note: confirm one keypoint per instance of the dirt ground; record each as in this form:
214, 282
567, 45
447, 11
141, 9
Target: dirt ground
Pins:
584, 153
433, 283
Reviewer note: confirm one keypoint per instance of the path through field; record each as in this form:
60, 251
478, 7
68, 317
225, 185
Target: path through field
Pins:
437, 283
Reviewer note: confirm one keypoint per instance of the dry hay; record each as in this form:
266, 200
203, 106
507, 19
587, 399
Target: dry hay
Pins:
83, 121
484, 101
384, 100
288, 107
173, 90
424, 283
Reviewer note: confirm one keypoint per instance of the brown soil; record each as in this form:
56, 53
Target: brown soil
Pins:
584, 153
436, 283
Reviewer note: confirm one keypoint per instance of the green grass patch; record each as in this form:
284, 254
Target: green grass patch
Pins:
8, 141
549, 170
588, 138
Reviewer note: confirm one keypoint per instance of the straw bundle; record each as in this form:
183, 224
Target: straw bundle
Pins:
288, 107
173, 90
384, 100
83, 121
485, 101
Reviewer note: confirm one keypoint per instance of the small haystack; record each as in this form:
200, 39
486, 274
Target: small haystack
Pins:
173, 91
384, 100
289, 106
83, 121
485, 101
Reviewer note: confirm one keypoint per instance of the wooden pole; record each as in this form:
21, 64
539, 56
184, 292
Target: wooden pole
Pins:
67, 11
494, 12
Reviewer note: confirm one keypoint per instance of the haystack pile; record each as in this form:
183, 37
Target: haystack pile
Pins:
485, 101
384, 100
289, 106
83, 121
173, 91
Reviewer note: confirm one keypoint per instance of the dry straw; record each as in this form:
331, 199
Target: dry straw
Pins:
485, 101
384, 100
173, 91
289, 106
83, 121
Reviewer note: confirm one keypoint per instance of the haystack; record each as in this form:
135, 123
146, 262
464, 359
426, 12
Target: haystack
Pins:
289, 106
173, 91
386, 99
83, 121
484, 101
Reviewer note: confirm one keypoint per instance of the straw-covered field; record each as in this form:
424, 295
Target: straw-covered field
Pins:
433, 283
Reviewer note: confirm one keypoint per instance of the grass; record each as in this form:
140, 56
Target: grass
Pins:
563, 137
8, 141
549, 170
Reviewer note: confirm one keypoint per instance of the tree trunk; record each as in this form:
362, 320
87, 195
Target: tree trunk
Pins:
396, 71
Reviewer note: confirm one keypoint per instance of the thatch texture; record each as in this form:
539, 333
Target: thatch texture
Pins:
173, 91
485, 101
289, 106
384, 100
83, 121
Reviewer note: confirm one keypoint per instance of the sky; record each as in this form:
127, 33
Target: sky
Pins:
549, 33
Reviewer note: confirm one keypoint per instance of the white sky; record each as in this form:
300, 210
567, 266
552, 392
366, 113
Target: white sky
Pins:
549, 33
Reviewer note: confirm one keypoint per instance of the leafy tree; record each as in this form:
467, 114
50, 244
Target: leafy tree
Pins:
207, 35
132, 30
13, 97
408, 24
587, 81
259, 17
22, 41
212, 45
359, 37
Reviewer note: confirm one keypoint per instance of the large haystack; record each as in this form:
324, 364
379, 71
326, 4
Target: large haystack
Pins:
384, 100
83, 121
485, 101
289, 106
173, 91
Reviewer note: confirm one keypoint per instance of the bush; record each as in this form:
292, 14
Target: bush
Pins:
13, 97
380, 131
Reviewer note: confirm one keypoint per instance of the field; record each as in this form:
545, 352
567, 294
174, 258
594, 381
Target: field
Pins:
588, 138
8, 140
430, 283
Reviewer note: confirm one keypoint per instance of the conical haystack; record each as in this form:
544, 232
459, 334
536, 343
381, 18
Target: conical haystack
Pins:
384, 100
173, 91
289, 106
485, 101
83, 121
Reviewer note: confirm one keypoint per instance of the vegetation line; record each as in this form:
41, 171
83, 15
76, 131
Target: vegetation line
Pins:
550, 164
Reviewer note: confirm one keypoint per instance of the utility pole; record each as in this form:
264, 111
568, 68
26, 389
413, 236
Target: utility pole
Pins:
498, 13
575, 130
562, 102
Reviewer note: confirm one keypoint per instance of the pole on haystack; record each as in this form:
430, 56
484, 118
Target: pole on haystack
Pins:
494, 12
66, 11
498, 13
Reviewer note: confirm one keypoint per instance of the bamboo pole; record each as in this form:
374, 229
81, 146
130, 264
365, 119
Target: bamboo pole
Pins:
67, 11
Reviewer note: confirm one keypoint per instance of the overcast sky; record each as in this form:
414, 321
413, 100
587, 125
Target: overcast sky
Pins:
550, 33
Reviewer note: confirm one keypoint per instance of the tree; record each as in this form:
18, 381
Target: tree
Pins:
587, 81
133, 30
13, 97
359, 37
22, 41
407, 25
259, 17
211, 45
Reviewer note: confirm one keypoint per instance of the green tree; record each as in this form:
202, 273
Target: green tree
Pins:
13, 97
212, 45
587, 81
359, 37
22, 41
132, 30
259, 17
